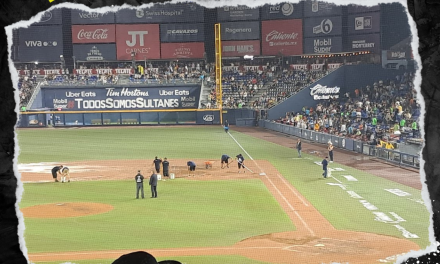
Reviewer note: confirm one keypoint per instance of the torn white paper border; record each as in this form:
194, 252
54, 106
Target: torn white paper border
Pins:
220, 3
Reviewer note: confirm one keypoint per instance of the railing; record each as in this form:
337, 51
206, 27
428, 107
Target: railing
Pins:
389, 155
122, 82
34, 94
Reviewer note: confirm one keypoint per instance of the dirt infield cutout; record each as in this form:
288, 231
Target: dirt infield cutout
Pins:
62, 210
314, 241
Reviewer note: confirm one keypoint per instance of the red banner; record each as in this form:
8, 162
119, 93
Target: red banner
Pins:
126, 71
240, 48
282, 37
40, 72
93, 34
193, 50
143, 40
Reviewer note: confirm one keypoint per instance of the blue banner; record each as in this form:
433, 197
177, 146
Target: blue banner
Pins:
318, 8
234, 13
322, 26
240, 30
282, 11
40, 43
160, 13
122, 98
364, 23
53, 17
362, 9
322, 45
182, 32
81, 17
94, 52
369, 42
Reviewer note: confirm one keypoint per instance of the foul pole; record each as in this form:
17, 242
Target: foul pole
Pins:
218, 71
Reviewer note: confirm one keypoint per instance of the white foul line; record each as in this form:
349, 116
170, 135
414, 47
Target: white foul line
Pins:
284, 198
290, 187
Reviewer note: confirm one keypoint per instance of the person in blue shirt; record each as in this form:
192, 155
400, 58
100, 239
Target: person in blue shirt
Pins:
324, 167
225, 160
191, 167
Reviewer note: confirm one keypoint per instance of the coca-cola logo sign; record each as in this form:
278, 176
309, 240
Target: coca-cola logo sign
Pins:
93, 34
97, 34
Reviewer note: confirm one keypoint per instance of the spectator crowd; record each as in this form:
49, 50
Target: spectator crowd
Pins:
386, 111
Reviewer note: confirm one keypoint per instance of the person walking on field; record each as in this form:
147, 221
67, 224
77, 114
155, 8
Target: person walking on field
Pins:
139, 184
324, 167
153, 184
298, 147
156, 163
330, 151
55, 171
226, 126
165, 167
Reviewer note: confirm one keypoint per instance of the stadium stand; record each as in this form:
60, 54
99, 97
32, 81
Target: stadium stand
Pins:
386, 111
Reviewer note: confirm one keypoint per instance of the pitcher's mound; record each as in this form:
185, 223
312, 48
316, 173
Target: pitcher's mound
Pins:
61, 210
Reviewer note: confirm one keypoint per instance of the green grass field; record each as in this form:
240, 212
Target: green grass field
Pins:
225, 211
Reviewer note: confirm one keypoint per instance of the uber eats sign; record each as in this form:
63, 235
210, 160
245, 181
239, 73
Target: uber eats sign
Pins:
122, 98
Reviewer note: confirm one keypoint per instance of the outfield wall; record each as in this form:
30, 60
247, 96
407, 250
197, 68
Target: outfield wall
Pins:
396, 157
133, 117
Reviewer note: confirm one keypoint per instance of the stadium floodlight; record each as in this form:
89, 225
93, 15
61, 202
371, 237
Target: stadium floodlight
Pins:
36, 63
248, 57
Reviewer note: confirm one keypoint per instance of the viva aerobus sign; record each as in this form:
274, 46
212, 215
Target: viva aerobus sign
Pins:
122, 98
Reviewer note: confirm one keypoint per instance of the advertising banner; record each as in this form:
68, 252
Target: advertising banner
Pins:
53, 17
81, 17
240, 30
322, 26
370, 42
162, 13
282, 11
143, 40
282, 36
193, 50
234, 13
95, 52
122, 98
318, 8
322, 45
40, 43
117, 71
364, 23
397, 55
182, 32
361, 9
93, 33
240, 48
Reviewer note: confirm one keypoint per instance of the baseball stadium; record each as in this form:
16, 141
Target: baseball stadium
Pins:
285, 133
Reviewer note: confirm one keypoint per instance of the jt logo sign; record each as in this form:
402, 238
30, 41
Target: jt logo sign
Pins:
133, 38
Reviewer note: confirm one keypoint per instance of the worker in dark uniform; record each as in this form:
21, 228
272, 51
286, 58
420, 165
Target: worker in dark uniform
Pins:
226, 126
55, 171
240, 162
324, 167
156, 163
139, 184
225, 160
191, 167
153, 184
299, 147
166, 166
